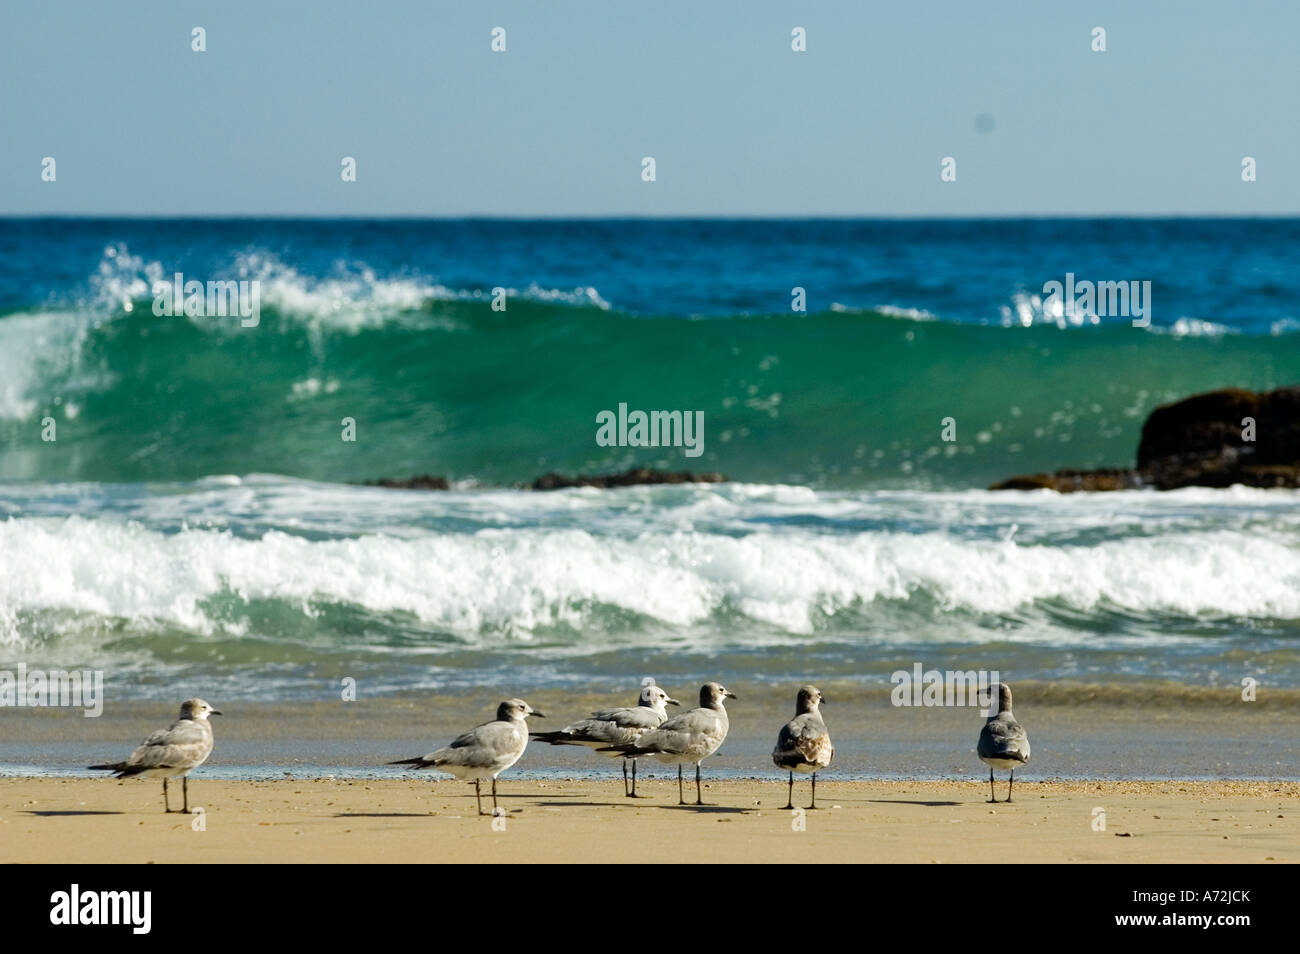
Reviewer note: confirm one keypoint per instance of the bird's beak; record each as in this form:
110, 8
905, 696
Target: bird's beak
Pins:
215, 712
730, 695
540, 715
672, 702
821, 701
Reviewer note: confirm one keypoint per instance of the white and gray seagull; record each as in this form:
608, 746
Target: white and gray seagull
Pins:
804, 745
176, 750
1003, 743
485, 751
616, 726
690, 737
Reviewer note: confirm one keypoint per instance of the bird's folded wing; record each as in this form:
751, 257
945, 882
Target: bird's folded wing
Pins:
682, 733
490, 739
664, 739
785, 741
180, 732
606, 715
1002, 739
806, 737
473, 737
638, 717
182, 743
599, 730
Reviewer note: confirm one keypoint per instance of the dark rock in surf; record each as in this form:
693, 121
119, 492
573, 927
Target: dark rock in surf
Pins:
1068, 481
1201, 441
420, 482
628, 478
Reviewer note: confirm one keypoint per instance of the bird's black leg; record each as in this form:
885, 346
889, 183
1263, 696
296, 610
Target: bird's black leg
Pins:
814, 791
681, 799
167, 808
478, 798
699, 796
494, 794
789, 798
185, 791
625, 792
634, 794
1011, 781
992, 797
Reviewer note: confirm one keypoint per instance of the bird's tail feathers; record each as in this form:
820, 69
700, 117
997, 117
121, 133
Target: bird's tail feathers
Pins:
121, 768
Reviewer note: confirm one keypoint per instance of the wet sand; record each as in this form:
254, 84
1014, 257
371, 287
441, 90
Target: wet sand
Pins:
425, 819
1078, 731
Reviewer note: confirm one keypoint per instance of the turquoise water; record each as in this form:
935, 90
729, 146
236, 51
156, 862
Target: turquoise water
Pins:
391, 325
193, 521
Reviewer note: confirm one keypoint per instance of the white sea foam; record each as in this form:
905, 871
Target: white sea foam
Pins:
518, 580
360, 298
889, 311
898, 311
1194, 328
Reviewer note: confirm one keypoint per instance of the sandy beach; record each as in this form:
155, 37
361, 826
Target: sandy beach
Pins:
428, 820
1183, 775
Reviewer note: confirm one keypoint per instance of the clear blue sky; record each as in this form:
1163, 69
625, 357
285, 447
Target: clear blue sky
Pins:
737, 122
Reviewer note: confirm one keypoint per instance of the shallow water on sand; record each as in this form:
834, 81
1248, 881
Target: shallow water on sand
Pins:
1149, 732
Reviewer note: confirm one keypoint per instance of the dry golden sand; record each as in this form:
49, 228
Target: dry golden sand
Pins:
407, 820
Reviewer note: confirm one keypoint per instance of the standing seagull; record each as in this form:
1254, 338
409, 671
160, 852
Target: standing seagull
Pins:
176, 750
804, 745
690, 737
616, 727
1003, 742
485, 751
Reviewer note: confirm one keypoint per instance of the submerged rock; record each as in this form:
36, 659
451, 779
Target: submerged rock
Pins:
1216, 439
553, 481
628, 478
1067, 481
420, 482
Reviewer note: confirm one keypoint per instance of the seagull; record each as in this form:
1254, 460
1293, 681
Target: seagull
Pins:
804, 745
485, 751
1003, 742
616, 726
690, 737
176, 750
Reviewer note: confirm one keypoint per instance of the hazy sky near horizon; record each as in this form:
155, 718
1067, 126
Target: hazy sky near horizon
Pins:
738, 123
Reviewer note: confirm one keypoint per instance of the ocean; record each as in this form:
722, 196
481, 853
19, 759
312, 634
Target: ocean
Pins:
198, 520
